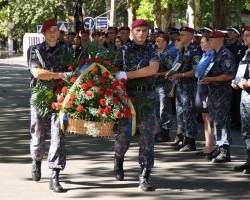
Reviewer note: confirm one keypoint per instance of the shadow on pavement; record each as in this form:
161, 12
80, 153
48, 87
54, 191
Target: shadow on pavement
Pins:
175, 176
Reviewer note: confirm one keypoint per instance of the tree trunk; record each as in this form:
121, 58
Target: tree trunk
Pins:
157, 10
219, 14
169, 12
197, 7
131, 12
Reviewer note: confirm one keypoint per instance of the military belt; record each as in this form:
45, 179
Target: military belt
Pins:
142, 88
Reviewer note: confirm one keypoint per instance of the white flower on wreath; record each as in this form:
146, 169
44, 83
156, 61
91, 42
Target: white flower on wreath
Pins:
91, 129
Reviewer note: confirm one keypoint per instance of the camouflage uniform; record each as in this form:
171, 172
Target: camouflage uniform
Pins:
219, 96
163, 87
185, 93
131, 57
43, 127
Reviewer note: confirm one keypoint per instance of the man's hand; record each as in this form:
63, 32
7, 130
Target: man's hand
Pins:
243, 84
176, 77
207, 80
234, 85
121, 75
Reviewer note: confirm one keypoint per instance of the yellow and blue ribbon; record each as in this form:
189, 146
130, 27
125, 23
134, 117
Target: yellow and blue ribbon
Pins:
81, 73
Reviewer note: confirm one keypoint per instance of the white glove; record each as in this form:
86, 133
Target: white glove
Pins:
121, 75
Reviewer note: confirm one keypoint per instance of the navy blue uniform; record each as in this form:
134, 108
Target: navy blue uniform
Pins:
185, 93
43, 127
219, 96
132, 57
163, 87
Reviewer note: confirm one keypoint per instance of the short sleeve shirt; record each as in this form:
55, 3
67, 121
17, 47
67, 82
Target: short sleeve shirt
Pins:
191, 57
224, 63
55, 59
132, 57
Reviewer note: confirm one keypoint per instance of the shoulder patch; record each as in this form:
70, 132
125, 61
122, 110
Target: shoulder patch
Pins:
196, 59
228, 63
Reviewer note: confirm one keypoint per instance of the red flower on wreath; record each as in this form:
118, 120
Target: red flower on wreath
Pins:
72, 97
97, 96
90, 83
102, 102
94, 71
80, 108
89, 93
64, 90
84, 86
73, 79
102, 80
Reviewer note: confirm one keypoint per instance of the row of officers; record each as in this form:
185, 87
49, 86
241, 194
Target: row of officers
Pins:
201, 78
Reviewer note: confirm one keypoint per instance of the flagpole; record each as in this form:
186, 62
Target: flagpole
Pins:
78, 17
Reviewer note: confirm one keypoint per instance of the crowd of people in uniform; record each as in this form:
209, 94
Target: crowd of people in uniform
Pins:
180, 71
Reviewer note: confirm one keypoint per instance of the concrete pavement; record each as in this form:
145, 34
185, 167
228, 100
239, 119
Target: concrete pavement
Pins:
88, 173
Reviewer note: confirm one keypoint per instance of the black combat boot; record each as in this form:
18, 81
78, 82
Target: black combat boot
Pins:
54, 181
213, 154
224, 155
144, 180
163, 136
245, 167
118, 168
36, 170
190, 146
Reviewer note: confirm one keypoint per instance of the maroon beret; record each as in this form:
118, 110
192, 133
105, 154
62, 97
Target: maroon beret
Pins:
139, 22
47, 24
163, 35
216, 34
188, 29
247, 28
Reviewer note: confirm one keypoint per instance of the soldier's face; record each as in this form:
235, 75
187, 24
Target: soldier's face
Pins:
216, 43
161, 43
232, 35
51, 35
246, 38
140, 34
185, 37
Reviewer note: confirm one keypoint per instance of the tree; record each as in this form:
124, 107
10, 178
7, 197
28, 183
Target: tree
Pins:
158, 18
220, 12
169, 13
132, 6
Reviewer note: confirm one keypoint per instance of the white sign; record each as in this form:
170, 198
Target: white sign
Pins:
39, 28
63, 26
101, 23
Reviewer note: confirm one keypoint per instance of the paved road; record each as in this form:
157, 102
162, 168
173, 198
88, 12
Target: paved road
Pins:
88, 174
